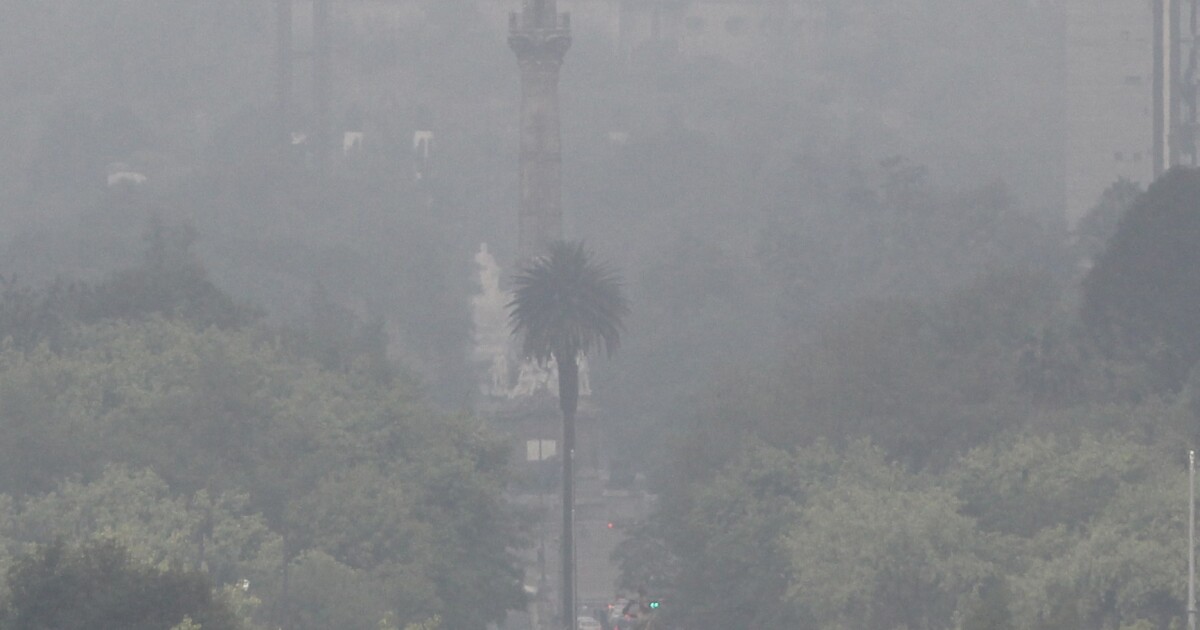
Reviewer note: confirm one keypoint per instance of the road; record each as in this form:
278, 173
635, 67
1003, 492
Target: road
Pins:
595, 541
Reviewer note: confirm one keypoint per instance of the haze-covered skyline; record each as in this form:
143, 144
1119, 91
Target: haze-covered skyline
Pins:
910, 339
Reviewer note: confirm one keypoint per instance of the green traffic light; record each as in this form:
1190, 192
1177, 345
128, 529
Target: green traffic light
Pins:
654, 605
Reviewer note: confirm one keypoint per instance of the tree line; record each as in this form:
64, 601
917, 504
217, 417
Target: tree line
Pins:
1009, 453
152, 429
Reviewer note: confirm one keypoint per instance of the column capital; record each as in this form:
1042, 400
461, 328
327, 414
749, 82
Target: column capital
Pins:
536, 44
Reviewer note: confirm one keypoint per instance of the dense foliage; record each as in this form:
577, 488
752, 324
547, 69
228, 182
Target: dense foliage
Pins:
216, 444
1140, 298
99, 586
995, 454
1027, 530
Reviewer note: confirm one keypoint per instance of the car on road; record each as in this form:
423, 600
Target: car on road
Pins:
587, 623
616, 615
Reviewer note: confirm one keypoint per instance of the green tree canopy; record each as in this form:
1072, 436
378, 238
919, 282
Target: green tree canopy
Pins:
249, 445
1142, 297
99, 586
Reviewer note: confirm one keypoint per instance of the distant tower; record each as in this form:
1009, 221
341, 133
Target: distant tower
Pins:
540, 36
1175, 86
1111, 89
283, 68
322, 84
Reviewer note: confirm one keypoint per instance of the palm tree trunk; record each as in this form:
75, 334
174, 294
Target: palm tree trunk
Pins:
568, 400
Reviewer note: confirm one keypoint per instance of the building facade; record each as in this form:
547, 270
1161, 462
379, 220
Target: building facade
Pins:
1130, 94
1109, 98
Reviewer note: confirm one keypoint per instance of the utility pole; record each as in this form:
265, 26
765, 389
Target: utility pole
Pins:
574, 620
1191, 611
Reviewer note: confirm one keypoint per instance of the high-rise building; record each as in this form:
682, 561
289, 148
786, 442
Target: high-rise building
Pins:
1130, 93
1109, 98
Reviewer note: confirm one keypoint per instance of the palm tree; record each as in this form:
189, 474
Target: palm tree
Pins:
566, 305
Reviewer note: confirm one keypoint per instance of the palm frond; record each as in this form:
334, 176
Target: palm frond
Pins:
565, 303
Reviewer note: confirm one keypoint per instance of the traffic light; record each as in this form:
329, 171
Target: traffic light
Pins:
654, 604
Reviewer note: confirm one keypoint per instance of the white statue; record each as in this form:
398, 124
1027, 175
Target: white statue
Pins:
499, 375
493, 343
527, 380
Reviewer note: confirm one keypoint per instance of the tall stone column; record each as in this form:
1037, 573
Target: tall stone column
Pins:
540, 37
322, 85
283, 69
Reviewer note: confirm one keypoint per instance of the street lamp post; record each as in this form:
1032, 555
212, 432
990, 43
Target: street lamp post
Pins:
1191, 604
